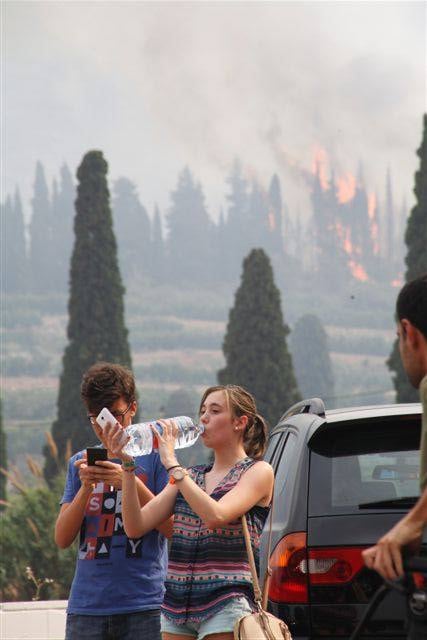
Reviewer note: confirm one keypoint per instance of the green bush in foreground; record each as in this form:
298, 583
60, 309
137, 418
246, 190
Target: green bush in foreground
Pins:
33, 568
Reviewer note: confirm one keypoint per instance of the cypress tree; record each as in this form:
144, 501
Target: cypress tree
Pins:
416, 263
3, 458
310, 355
255, 346
42, 253
96, 329
13, 249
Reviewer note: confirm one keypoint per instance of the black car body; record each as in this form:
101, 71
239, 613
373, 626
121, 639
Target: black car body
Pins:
342, 480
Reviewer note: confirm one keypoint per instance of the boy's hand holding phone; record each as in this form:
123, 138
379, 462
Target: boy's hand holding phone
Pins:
95, 467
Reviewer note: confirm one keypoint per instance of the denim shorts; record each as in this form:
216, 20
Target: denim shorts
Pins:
221, 622
119, 626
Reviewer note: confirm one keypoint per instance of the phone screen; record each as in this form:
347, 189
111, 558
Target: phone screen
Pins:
94, 454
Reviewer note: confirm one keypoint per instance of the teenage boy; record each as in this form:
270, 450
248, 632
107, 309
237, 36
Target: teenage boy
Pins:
118, 587
411, 312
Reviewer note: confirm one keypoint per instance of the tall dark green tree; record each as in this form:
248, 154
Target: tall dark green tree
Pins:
96, 328
312, 362
416, 263
255, 348
3, 458
13, 247
41, 255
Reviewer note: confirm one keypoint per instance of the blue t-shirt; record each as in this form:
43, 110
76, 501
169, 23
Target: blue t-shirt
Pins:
114, 573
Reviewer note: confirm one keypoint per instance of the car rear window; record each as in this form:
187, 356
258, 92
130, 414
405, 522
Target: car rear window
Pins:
365, 466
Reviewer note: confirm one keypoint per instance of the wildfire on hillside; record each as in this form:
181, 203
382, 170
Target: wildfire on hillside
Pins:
346, 187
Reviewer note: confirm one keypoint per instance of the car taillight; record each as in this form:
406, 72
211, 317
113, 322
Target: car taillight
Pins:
293, 565
332, 566
288, 583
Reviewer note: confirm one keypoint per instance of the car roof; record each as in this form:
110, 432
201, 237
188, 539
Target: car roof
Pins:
310, 417
372, 411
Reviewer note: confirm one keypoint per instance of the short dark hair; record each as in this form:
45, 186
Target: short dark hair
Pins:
104, 383
412, 303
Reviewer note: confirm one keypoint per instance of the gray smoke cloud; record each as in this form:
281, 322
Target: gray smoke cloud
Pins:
158, 86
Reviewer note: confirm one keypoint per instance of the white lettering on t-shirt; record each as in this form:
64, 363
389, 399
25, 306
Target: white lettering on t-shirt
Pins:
134, 544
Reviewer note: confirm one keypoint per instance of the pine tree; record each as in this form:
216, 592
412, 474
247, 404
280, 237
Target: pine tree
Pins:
41, 256
312, 362
96, 329
416, 263
3, 459
13, 250
133, 230
254, 346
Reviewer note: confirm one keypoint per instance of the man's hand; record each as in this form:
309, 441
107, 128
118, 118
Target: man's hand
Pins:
386, 556
102, 471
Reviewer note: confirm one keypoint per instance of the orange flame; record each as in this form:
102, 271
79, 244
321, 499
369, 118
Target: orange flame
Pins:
357, 271
344, 234
372, 213
372, 205
319, 166
346, 187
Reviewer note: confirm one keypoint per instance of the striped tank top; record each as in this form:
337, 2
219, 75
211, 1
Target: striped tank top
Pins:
209, 567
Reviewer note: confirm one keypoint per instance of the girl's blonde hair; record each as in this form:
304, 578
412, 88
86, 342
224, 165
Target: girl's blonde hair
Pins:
242, 403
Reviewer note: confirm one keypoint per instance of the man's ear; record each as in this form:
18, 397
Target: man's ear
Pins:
133, 408
410, 332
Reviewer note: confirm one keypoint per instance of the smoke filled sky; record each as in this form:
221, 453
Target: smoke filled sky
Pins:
157, 86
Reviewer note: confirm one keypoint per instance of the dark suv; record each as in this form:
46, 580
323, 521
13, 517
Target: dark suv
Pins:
343, 478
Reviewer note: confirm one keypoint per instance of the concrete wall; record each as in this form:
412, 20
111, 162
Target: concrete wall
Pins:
33, 620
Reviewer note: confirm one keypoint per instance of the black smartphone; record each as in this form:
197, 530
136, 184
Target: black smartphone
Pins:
95, 453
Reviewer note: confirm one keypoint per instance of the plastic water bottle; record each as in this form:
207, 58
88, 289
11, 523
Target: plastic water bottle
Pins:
143, 442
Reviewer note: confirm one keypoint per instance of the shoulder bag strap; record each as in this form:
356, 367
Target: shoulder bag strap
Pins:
267, 575
255, 583
260, 596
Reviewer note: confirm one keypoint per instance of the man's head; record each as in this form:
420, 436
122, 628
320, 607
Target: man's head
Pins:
109, 385
411, 312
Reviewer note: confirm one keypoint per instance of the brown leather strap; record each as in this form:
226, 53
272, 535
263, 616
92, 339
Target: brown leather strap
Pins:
267, 575
255, 583
260, 596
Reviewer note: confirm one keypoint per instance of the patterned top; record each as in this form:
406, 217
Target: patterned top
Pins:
208, 567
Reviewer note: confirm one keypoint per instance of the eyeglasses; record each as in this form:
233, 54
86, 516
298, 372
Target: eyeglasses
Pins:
117, 415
